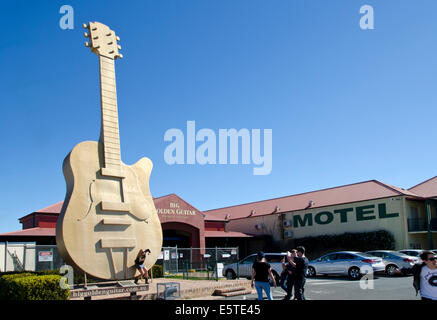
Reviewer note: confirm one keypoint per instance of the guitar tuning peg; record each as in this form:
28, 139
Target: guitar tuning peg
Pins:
119, 47
118, 38
86, 34
85, 26
120, 56
87, 44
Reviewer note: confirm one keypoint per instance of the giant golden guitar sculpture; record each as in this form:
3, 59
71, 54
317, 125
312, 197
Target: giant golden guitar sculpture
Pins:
108, 213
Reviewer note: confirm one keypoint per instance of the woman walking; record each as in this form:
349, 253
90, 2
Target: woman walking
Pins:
261, 271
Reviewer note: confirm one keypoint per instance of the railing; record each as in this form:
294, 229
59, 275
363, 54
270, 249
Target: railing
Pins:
416, 225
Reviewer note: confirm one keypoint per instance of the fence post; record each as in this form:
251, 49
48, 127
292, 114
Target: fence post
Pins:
177, 260
216, 265
6, 256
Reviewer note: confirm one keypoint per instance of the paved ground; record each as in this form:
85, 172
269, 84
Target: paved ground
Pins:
319, 288
335, 288
190, 289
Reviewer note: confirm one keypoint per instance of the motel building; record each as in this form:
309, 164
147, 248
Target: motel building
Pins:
409, 215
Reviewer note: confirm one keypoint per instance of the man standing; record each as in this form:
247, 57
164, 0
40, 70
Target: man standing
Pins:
301, 266
424, 276
290, 270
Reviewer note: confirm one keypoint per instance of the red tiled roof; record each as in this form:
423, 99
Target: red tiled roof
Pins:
224, 234
54, 208
426, 189
361, 191
35, 232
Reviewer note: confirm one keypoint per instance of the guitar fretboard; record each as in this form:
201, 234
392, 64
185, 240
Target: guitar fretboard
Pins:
110, 135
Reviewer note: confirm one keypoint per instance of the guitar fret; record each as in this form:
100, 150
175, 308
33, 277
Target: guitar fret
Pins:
107, 114
105, 81
113, 143
106, 86
112, 161
111, 124
113, 120
109, 103
112, 156
111, 134
110, 148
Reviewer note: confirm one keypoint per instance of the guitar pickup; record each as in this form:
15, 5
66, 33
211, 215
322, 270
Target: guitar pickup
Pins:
109, 172
115, 206
117, 221
118, 243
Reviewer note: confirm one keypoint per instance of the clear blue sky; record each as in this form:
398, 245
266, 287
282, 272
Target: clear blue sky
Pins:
345, 105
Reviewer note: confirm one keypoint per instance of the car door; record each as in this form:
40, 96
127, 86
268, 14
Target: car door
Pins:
342, 263
245, 266
324, 264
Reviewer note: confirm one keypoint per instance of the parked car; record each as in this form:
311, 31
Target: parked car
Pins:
244, 267
394, 260
413, 252
350, 263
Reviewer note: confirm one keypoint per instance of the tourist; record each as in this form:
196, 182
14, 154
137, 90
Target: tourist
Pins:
261, 271
139, 264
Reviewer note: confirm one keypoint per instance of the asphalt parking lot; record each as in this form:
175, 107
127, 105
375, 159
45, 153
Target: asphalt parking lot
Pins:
340, 288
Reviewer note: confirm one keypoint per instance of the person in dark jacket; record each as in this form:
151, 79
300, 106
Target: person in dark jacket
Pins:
424, 275
301, 267
290, 271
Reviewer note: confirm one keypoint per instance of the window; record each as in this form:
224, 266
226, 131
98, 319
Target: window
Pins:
344, 256
329, 257
274, 258
414, 213
249, 260
377, 254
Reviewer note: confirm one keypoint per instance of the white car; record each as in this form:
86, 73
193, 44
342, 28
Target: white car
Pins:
244, 267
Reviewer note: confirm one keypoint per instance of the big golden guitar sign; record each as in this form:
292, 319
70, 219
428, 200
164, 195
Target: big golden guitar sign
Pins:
176, 210
108, 213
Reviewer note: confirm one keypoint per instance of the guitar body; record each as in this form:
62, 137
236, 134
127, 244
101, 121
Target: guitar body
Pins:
105, 220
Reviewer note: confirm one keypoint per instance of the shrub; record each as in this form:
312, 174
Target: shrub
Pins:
362, 241
28, 286
157, 271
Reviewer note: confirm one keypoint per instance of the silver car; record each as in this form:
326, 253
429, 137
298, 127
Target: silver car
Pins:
244, 267
394, 260
413, 253
349, 263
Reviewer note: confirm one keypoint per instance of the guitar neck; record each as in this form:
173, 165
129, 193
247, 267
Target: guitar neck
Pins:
109, 136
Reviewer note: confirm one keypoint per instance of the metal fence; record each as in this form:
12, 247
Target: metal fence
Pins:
205, 263
201, 263
28, 257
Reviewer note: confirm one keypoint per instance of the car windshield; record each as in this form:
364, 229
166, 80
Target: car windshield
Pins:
398, 254
364, 255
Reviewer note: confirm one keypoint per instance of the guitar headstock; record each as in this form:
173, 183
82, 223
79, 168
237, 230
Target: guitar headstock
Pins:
103, 40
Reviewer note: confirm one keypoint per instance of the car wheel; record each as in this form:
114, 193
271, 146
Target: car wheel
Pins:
391, 269
230, 274
354, 273
311, 272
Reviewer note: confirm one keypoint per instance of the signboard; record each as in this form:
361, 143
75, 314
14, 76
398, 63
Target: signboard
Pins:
45, 256
166, 255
